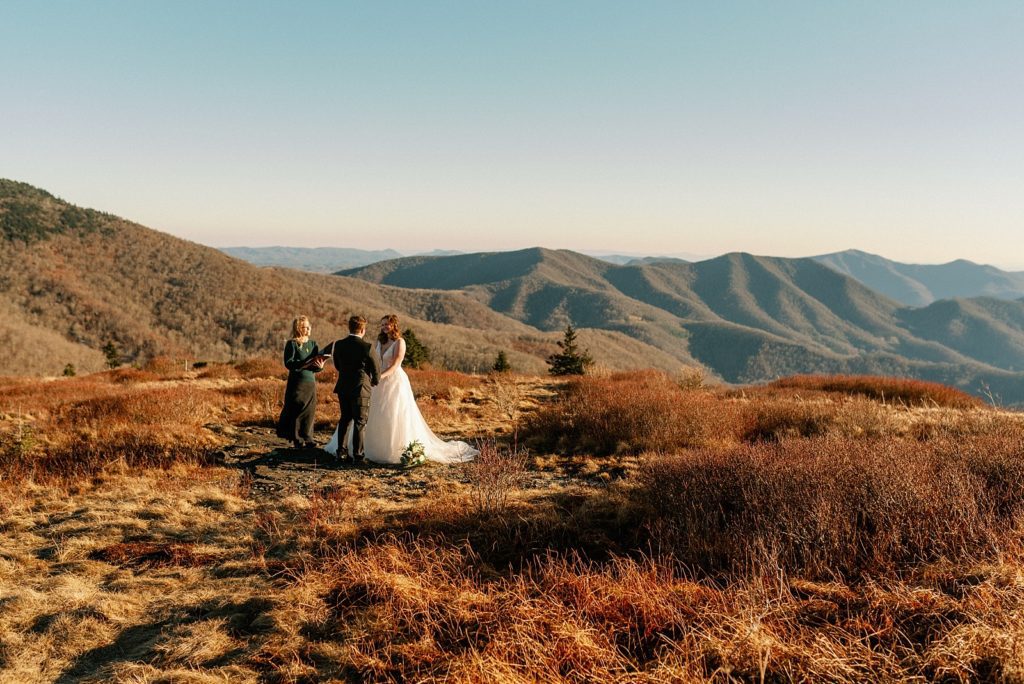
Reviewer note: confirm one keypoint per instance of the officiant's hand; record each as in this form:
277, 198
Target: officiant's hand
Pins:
319, 363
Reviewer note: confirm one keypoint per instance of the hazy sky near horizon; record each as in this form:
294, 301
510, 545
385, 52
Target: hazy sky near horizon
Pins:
779, 128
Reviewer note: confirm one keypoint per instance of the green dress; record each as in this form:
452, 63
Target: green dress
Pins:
299, 410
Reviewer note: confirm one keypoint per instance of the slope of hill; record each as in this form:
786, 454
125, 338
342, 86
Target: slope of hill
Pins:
315, 259
73, 280
744, 317
922, 284
984, 328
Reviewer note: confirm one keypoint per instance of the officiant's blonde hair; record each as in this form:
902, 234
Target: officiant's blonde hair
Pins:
296, 332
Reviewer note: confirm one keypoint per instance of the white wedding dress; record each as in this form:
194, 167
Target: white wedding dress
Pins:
395, 419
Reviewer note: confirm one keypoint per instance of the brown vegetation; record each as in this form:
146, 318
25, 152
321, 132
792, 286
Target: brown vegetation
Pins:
837, 506
630, 413
784, 536
899, 390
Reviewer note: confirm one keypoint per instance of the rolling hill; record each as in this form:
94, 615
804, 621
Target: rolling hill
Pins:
745, 317
922, 284
73, 280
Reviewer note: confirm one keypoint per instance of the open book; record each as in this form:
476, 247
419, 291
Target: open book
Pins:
312, 362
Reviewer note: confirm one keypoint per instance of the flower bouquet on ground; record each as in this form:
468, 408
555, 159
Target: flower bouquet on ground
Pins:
414, 455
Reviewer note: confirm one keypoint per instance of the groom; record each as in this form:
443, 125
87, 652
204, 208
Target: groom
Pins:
357, 373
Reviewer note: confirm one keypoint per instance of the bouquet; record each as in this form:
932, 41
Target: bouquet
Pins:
414, 455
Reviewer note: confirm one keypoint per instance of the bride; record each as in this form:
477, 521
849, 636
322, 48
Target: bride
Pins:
395, 419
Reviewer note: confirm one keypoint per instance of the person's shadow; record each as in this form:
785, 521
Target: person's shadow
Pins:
281, 468
243, 619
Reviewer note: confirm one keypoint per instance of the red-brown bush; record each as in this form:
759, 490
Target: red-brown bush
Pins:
836, 505
262, 367
155, 426
438, 384
900, 390
219, 371
166, 367
631, 413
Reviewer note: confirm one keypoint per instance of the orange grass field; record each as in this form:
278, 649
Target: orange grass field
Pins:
628, 527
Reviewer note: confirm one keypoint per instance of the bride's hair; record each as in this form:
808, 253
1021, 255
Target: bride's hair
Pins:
297, 326
391, 332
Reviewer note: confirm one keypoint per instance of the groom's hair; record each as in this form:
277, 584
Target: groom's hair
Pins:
357, 324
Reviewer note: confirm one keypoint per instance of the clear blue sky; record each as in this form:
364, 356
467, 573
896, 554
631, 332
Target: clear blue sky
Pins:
777, 128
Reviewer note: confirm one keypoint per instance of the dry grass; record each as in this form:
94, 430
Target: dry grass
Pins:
834, 506
53, 439
899, 390
262, 367
775, 537
441, 385
631, 413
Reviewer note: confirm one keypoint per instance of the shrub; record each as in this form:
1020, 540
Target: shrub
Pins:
904, 390
328, 376
130, 376
112, 355
138, 427
827, 505
166, 367
262, 367
217, 371
256, 401
632, 412
494, 475
785, 418
439, 384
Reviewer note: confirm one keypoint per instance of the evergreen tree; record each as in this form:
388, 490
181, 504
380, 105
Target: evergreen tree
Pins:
69, 370
571, 360
501, 364
416, 354
113, 355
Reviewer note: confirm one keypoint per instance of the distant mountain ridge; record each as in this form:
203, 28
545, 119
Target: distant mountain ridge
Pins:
745, 317
319, 259
922, 284
910, 284
314, 259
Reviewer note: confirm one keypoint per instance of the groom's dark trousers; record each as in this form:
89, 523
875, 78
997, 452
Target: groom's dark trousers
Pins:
357, 373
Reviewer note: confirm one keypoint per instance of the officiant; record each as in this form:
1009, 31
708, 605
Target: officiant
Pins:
303, 360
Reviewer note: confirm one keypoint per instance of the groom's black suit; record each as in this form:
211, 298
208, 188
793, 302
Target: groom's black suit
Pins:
357, 373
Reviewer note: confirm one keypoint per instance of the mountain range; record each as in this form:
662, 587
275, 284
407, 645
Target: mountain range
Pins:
909, 284
922, 284
744, 317
74, 279
319, 259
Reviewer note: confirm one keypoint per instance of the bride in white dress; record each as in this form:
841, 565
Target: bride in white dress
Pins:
395, 419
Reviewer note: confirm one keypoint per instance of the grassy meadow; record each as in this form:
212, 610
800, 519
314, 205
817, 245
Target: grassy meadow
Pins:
630, 527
